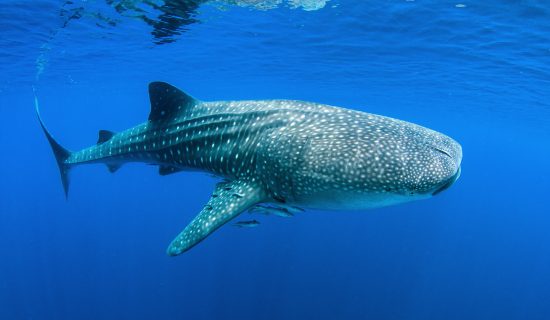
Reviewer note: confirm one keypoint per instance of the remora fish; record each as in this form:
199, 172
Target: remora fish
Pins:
247, 224
298, 153
272, 210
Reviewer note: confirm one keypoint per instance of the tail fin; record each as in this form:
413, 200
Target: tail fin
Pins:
61, 154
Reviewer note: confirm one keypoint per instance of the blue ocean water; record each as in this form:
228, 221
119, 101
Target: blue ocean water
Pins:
479, 72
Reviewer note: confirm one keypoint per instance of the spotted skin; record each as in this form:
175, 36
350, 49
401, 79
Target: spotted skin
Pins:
225, 205
288, 152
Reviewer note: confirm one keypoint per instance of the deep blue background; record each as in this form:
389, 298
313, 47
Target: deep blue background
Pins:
480, 250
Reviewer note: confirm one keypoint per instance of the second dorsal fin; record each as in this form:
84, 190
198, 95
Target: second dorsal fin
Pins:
104, 135
167, 101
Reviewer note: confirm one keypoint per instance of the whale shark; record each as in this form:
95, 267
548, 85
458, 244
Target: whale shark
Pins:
285, 154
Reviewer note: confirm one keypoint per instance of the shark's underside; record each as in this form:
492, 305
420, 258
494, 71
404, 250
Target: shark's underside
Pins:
290, 154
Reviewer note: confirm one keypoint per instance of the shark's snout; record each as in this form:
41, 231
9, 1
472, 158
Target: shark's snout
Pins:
448, 183
449, 153
434, 163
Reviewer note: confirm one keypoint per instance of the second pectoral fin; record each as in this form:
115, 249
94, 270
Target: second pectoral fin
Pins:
228, 201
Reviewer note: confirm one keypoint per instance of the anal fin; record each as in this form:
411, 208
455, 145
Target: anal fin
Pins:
113, 167
218, 211
166, 170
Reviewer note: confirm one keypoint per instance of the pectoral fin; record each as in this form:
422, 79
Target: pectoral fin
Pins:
220, 209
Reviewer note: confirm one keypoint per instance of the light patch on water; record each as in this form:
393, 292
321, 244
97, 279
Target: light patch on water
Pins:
307, 5
167, 18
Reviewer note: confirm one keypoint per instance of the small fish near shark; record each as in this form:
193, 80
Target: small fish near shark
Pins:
275, 156
280, 211
247, 224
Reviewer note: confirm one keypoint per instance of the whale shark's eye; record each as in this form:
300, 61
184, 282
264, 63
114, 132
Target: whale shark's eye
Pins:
442, 151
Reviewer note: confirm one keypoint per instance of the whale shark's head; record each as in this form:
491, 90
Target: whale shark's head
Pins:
432, 165
383, 162
413, 163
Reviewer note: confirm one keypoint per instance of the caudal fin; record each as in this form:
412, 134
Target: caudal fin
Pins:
61, 154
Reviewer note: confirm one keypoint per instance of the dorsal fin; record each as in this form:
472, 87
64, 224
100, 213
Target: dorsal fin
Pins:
104, 135
167, 101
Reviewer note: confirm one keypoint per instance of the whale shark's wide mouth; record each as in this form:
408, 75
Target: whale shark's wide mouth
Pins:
448, 183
